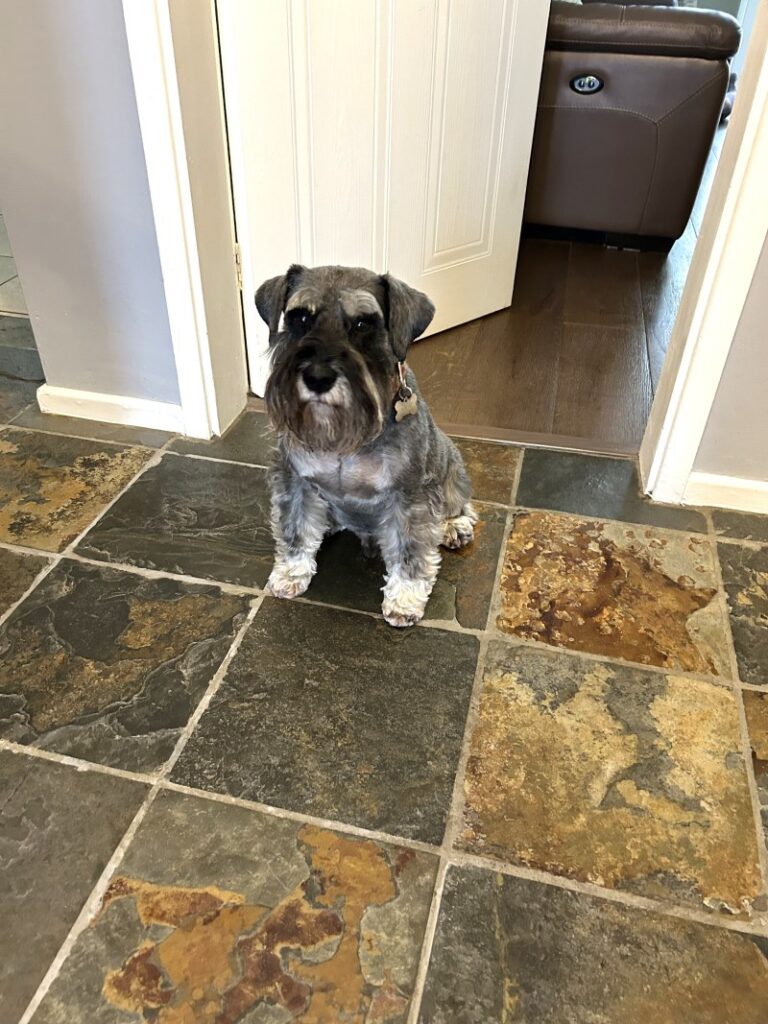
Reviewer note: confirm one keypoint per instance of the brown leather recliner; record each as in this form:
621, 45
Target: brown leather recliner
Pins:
630, 99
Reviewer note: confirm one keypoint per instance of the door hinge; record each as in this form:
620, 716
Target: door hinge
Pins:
238, 266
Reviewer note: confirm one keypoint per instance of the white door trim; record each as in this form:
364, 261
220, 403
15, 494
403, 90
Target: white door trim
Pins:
733, 231
150, 46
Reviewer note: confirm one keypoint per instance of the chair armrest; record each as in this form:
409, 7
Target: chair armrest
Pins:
635, 3
660, 31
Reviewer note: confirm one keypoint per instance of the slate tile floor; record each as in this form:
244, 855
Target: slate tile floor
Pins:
542, 804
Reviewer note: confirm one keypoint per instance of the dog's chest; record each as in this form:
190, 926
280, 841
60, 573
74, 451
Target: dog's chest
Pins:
362, 476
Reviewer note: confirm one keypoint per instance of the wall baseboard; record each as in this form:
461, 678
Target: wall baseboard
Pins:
733, 492
90, 405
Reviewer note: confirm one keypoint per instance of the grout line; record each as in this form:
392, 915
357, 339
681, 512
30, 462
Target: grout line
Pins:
156, 574
452, 826
286, 814
757, 687
22, 428
44, 571
516, 477
89, 909
493, 604
40, 754
93, 902
661, 908
741, 542
212, 458
427, 943
746, 745
623, 522
211, 689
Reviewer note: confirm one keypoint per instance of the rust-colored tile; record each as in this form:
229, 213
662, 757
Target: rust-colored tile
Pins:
220, 915
17, 571
491, 468
612, 774
637, 593
52, 487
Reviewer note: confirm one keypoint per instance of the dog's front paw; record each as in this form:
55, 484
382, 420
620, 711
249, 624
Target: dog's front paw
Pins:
460, 530
286, 581
405, 601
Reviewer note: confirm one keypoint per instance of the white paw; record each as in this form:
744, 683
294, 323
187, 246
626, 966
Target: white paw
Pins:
459, 531
405, 600
287, 581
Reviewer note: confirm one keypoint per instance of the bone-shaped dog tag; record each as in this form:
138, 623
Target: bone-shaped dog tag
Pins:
406, 404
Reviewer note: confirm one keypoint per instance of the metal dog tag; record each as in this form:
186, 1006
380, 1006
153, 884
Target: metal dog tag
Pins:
406, 404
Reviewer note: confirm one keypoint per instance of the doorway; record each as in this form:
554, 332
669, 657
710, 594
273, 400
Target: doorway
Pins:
575, 360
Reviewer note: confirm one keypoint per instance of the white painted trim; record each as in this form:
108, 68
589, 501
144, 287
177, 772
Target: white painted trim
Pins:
727, 492
732, 235
90, 405
150, 46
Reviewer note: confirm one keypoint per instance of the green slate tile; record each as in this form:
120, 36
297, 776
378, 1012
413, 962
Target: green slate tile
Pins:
740, 525
745, 577
250, 439
512, 950
340, 716
591, 485
194, 517
220, 915
107, 665
58, 829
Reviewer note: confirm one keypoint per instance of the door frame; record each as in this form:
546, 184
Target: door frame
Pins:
735, 221
733, 232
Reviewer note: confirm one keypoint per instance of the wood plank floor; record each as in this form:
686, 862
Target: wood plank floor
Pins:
575, 360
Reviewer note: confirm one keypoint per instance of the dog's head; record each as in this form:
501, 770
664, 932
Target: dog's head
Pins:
336, 336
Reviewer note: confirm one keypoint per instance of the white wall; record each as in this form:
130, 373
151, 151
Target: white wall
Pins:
73, 188
735, 441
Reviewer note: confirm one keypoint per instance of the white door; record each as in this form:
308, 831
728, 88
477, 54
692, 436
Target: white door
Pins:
392, 134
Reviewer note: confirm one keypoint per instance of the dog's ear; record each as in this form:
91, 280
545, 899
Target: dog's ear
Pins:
272, 296
409, 314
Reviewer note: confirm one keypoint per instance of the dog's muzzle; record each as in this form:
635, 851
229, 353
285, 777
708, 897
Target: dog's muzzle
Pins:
319, 378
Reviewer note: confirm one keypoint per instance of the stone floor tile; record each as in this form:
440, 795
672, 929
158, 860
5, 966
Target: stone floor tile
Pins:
591, 485
348, 577
52, 487
636, 593
611, 774
745, 577
17, 571
76, 427
340, 716
491, 468
756, 708
220, 915
740, 525
250, 439
206, 519
107, 665
15, 395
58, 829
516, 951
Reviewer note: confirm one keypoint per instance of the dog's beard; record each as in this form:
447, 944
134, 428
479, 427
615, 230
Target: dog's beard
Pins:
340, 421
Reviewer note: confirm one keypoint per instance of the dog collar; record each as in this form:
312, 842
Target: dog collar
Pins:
406, 401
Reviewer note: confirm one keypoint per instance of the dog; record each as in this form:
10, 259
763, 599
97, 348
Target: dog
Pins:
357, 446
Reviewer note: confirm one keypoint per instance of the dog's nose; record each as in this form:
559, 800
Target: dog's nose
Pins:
319, 378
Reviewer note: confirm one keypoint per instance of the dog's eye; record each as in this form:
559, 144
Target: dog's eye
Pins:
362, 324
298, 320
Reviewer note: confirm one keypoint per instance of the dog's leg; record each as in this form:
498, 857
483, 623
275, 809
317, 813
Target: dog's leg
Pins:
409, 545
460, 516
299, 523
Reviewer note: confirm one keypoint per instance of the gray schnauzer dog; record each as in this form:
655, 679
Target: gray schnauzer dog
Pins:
358, 449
